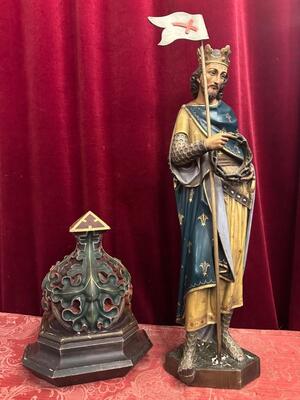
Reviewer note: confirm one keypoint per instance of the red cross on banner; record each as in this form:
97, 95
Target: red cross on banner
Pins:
188, 26
180, 25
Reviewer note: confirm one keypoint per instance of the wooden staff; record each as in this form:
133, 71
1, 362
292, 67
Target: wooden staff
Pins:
213, 212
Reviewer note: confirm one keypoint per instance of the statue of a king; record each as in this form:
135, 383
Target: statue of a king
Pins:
192, 156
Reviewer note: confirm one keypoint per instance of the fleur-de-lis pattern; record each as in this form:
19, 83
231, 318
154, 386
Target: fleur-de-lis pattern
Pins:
204, 265
203, 218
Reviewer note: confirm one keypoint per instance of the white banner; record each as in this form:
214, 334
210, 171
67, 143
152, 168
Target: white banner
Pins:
180, 25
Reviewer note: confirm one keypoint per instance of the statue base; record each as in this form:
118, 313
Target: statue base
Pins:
67, 359
212, 373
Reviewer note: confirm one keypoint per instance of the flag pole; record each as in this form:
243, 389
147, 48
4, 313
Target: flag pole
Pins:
213, 212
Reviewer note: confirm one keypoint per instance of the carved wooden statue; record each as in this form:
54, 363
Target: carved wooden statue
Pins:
194, 155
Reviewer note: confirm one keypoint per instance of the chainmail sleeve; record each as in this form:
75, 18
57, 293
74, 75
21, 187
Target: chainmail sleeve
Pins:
183, 152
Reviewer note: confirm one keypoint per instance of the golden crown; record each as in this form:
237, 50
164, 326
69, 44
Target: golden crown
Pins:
215, 55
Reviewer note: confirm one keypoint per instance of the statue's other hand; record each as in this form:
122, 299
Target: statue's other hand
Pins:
216, 142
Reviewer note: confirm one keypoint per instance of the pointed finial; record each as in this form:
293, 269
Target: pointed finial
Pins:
89, 222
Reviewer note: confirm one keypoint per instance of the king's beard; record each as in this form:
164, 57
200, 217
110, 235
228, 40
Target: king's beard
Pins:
212, 97
212, 94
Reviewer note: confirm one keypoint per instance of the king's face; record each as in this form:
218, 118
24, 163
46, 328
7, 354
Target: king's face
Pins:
216, 75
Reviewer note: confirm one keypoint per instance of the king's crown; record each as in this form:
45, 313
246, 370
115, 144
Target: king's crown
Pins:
215, 55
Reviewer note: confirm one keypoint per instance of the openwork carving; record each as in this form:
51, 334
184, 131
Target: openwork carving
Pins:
88, 290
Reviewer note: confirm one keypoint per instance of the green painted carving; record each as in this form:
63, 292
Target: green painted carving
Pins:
88, 290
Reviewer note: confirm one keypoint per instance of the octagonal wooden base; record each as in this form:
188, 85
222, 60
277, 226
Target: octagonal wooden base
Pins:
72, 359
228, 374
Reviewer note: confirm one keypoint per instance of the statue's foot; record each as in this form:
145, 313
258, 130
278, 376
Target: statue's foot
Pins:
187, 376
232, 348
186, 369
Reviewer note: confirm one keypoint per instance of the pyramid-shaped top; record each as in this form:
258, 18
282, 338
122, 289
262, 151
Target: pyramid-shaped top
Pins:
89, 222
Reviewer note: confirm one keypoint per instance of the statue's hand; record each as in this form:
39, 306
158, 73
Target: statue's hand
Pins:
216, 142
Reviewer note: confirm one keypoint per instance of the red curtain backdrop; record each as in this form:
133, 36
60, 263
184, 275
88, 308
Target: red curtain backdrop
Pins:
88, 102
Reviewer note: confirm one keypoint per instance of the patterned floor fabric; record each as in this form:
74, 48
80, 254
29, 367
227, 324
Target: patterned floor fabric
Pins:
279, 352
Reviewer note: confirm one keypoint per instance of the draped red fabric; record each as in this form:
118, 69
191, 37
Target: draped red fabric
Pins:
88, 102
